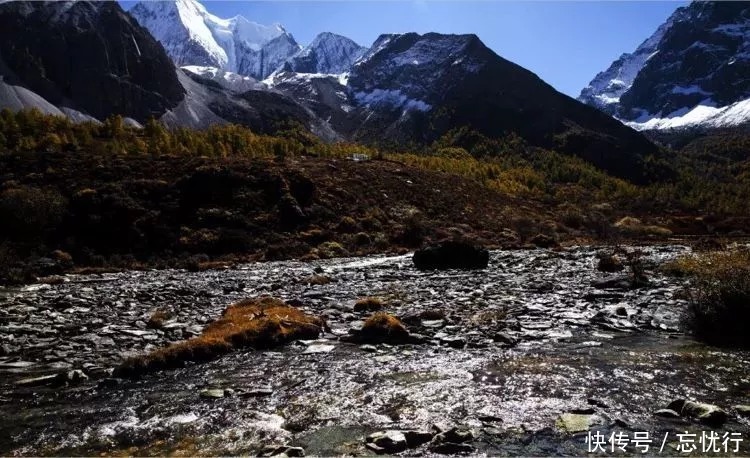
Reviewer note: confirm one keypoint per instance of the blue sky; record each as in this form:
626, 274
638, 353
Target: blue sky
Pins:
564, 42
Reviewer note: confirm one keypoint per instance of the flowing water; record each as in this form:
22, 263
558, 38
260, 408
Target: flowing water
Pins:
523, 345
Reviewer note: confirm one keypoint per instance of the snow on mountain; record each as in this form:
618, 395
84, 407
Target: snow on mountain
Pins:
227, 80
691, 72
402, 70
261, 63
193, 36
327, 54
702, 115
605, 90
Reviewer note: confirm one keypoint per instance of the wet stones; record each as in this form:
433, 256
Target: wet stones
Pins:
449, 442
708, 414
666, 413
742, 410
451, 340
453, 441
417, 438
213, 394
37, 381
576, 422
456, 435
281, 451
451, 255
451, 448
74, 377
387, 442
616, 282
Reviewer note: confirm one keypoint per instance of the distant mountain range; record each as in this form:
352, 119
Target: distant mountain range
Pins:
693, 72
91, 60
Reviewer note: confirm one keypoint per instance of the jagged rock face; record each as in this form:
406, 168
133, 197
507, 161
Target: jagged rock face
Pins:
261, 63
91, 57
704, 56
327, 54
605, 90
185, 47
193, 36
691, 72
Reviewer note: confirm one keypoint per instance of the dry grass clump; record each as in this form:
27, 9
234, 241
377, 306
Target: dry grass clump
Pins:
157, 319
634, 226
718, 295
368, 304
331, 250
382, 327
318, 280
259, 323
609, 262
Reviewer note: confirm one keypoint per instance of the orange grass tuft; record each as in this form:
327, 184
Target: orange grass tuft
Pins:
382, 327
259, 323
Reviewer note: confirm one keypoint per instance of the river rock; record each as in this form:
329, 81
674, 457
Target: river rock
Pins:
257, 391
707, 414
319, 348
281, 451
576, 422
621, 282
453, 341
387, 442
451, 255
417, 438
73, 377
212, 394
667, 413
451, 448
505, 338
456, 435
37, 381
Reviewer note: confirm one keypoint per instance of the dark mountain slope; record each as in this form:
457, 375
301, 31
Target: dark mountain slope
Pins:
419, 87
88, 56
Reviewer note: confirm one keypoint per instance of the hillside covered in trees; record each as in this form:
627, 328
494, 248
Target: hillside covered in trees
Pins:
107, 195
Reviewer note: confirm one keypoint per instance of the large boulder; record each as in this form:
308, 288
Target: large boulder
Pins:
451, 255
708, 414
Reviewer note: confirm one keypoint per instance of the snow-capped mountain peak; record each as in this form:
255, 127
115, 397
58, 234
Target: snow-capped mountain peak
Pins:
605, 90
690, 73
193, 36
328, 53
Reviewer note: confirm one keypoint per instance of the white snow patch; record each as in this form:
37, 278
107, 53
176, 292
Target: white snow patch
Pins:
392, 97
229, 80
608, 86
706, 114
687, 90
344, 79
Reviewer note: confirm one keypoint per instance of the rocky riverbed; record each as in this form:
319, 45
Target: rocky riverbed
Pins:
523, 357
